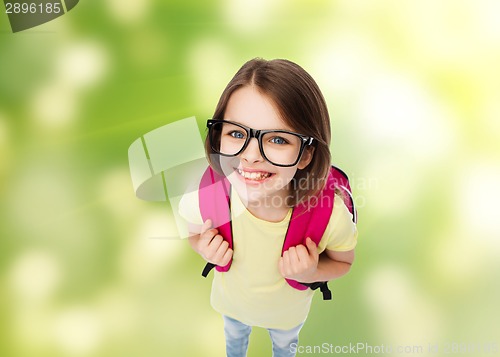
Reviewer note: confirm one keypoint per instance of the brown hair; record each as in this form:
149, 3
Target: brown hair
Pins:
301, 106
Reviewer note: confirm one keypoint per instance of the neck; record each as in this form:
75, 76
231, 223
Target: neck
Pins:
269, 208
269, 214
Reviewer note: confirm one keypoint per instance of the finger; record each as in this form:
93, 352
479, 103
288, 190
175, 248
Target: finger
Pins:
280, 267
295, 264
293, 258
206, 226
286, 263
227, 257
207, 236
311, 247
208, 233
219, 253
212, 247
206, 239
302, 253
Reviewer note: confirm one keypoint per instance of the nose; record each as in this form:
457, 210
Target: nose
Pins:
252, 152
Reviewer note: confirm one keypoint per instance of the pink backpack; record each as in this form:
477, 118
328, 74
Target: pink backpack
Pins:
306, 221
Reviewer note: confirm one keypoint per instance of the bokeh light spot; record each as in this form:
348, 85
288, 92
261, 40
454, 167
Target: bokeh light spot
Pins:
82, 64
478, 186
129, 12
398, 112
209, 61
249, 16
404, 314
78, 331
34, 276
55, 105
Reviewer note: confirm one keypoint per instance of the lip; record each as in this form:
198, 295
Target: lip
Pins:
251, 181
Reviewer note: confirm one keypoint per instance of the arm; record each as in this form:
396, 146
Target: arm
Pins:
333, 265
304, 264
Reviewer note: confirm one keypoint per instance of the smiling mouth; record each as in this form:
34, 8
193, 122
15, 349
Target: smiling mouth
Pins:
254, 175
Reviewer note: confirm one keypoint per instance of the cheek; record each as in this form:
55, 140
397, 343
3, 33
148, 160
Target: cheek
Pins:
306, 158
285, 175
228, 164
288, 172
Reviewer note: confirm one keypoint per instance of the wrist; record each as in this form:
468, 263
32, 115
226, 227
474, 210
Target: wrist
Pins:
193, 241
311, 277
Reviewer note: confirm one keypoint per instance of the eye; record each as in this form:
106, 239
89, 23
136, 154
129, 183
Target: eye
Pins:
236, 134
279, 140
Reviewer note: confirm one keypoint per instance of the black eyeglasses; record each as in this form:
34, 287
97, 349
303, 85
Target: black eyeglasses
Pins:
279, 147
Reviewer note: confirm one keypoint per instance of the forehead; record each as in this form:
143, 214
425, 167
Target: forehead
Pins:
251, 108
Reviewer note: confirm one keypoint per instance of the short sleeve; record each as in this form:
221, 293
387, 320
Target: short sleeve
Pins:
341, 234
189, 208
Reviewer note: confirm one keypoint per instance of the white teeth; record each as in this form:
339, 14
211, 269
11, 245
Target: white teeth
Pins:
254, 175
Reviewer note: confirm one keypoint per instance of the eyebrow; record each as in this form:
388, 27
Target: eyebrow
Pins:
236, 121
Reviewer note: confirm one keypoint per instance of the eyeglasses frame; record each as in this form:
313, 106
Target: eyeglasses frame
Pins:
257, 134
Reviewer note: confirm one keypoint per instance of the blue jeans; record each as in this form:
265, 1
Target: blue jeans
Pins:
237, 334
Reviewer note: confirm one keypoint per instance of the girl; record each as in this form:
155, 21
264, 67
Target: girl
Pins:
270, 138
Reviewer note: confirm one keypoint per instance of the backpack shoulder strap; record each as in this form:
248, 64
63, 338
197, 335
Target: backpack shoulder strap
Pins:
341, 182
214, 198
311, 221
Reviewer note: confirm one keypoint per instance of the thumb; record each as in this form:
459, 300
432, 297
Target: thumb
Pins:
206, 226
311, 246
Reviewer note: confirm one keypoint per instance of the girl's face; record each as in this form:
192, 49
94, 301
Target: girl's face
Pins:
256, 180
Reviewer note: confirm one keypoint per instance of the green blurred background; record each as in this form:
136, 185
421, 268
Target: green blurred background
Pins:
413, 89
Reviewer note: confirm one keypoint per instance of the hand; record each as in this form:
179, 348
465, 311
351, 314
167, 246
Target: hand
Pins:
212, 247
300, 263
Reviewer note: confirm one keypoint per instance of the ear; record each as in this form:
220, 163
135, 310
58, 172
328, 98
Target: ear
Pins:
306, 158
